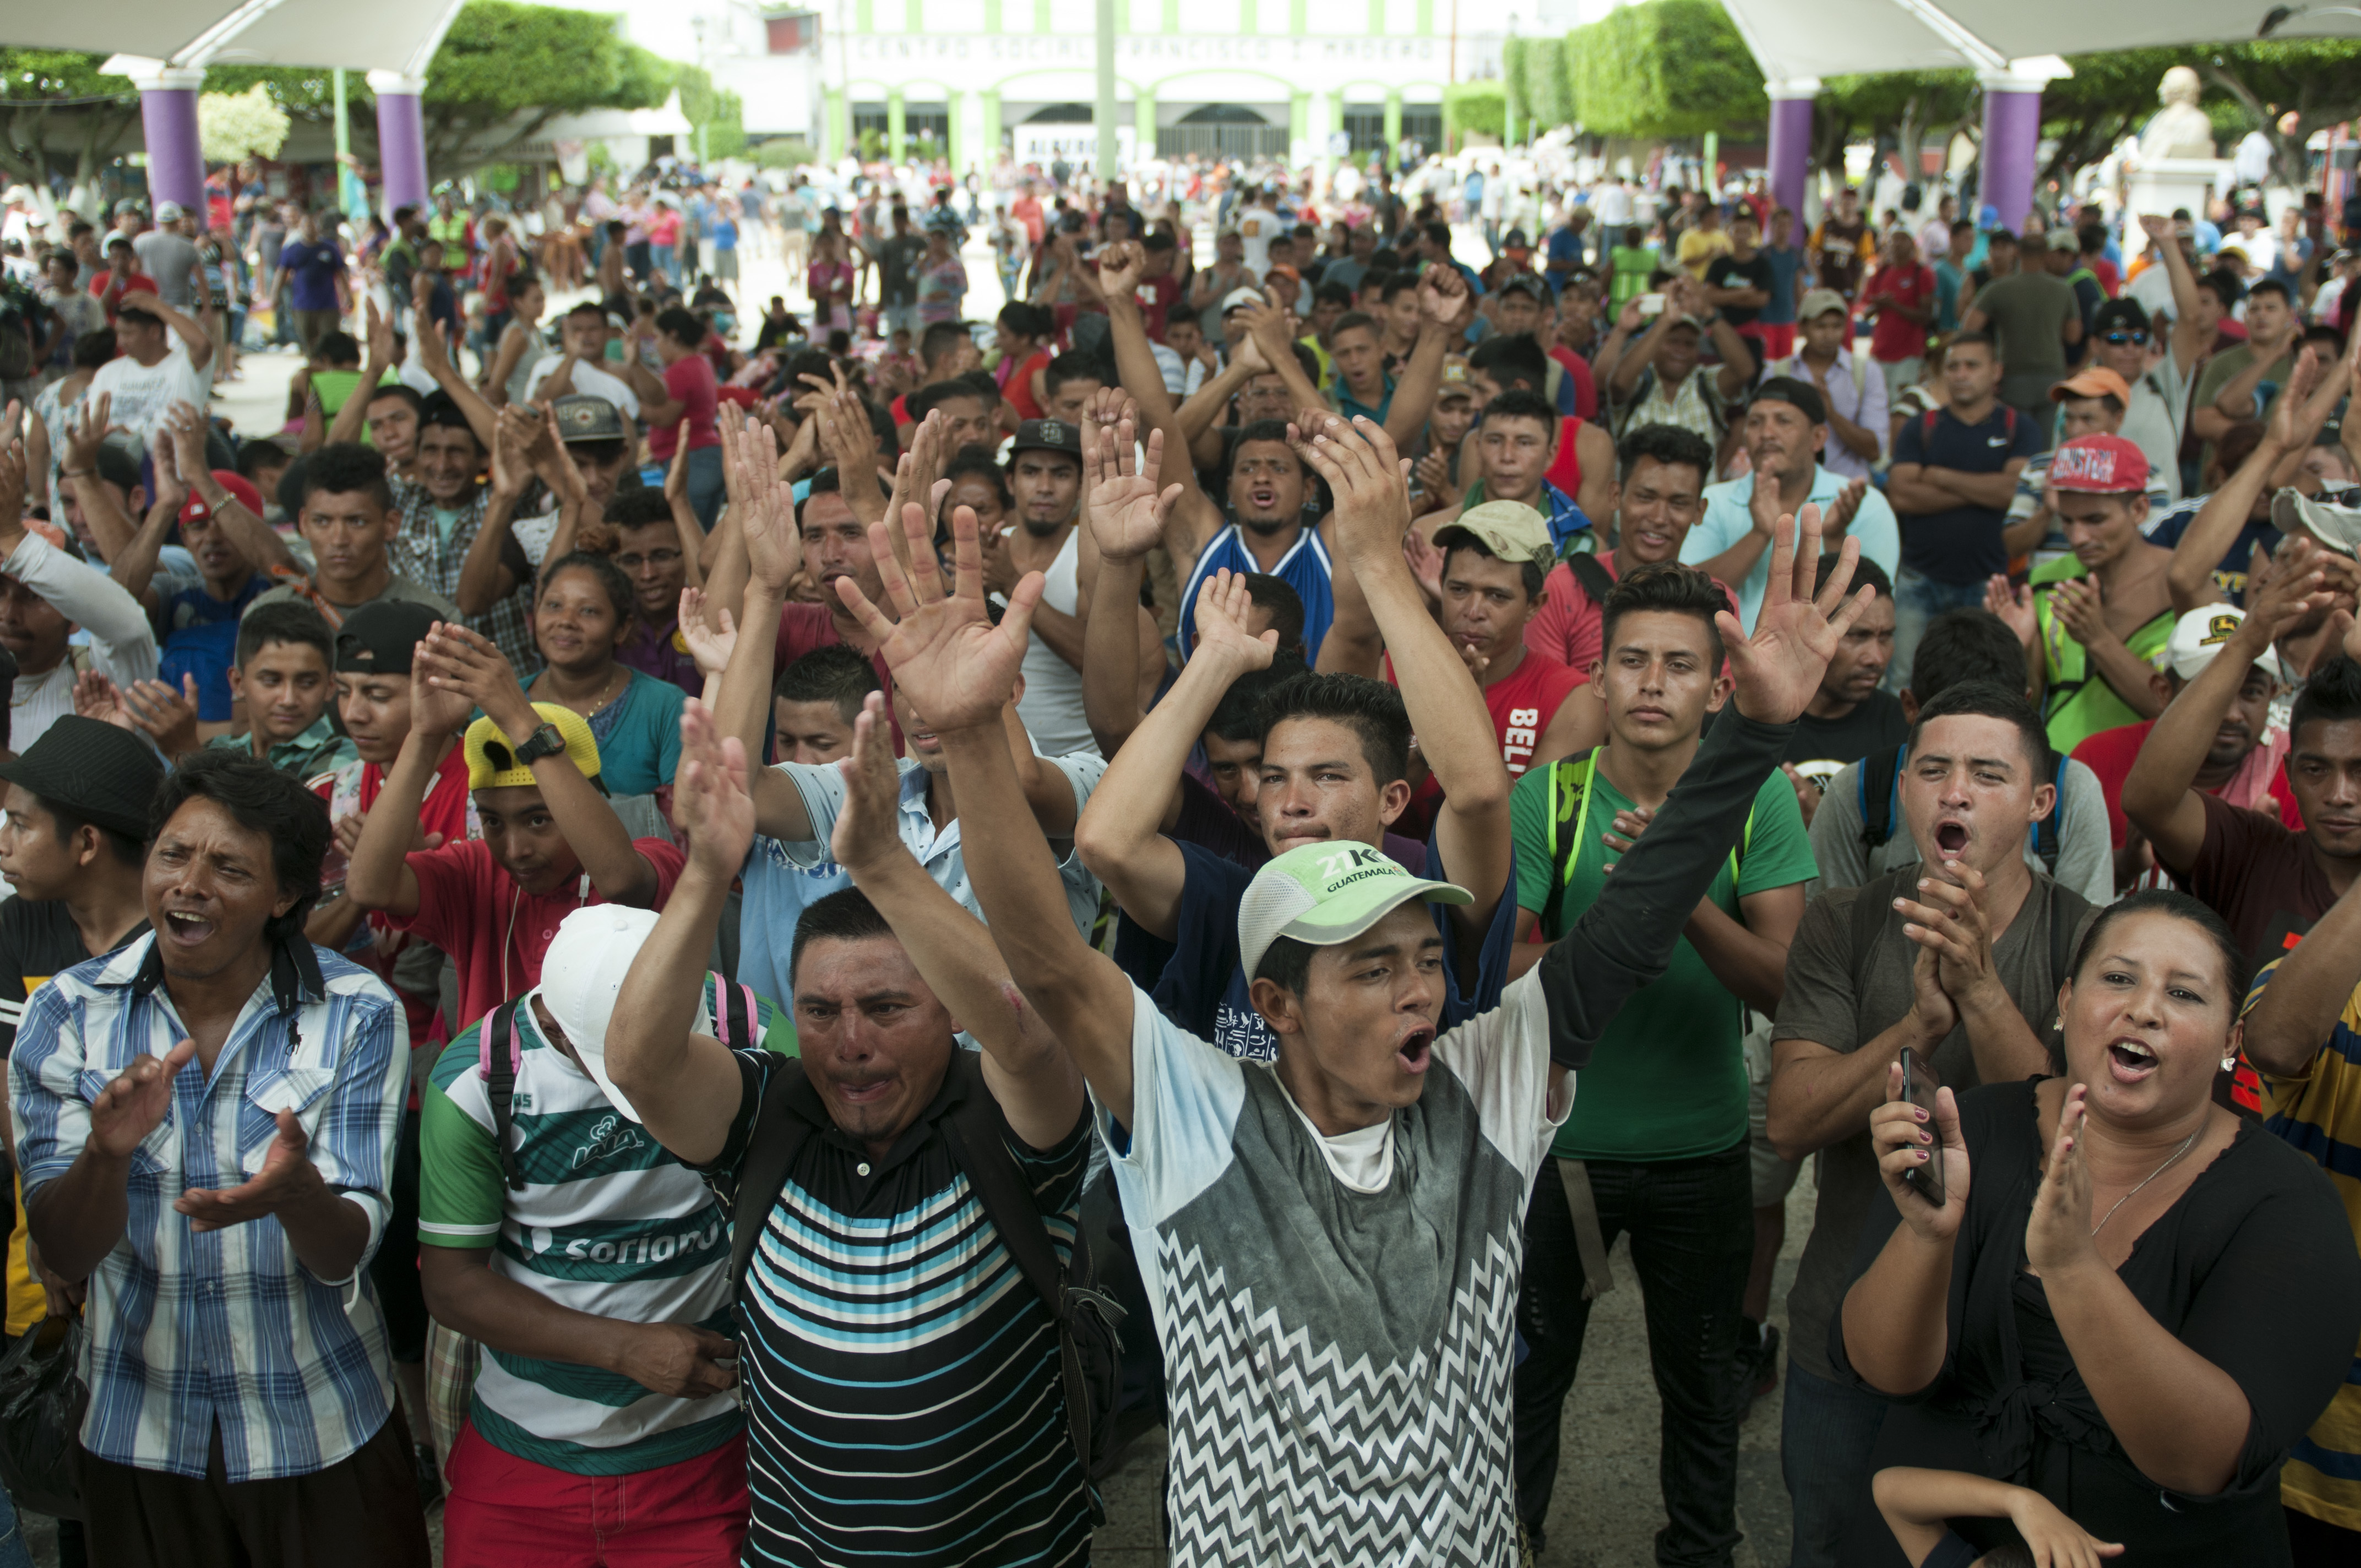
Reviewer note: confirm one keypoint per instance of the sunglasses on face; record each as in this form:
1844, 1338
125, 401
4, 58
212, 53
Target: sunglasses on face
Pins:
2121, 337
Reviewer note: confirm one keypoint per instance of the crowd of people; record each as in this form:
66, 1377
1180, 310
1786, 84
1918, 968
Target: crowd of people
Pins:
1473, 763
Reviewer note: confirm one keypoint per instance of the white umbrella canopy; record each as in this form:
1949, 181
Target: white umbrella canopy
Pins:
195, 33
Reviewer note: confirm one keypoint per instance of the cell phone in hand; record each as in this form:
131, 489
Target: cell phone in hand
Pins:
1919, 1081
1651, 305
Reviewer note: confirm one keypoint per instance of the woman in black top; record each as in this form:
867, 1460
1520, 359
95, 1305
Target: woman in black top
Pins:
2142, 1302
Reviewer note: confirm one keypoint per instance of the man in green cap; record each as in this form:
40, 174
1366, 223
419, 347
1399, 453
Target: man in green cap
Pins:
1331, 1246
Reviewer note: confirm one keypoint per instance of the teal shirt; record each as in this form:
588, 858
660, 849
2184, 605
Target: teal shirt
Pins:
319, 750
1668, 1079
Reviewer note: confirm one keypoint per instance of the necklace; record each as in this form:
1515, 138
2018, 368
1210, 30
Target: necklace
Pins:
2152, 1176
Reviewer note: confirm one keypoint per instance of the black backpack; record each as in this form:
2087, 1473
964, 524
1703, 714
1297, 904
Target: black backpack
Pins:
1090, 1352
1877, 803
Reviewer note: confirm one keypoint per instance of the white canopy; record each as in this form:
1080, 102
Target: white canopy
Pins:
190, 34
1801, 41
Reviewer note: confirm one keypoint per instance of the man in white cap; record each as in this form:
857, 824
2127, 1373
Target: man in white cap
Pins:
593, 1267
166, 254
895, 1198
1331, 1246
2245, 764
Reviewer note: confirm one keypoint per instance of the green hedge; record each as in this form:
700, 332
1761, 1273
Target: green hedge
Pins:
1534, 73
1480, 108
1665, 68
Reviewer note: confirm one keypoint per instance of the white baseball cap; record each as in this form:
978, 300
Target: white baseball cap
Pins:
2199, 637
168, 212
1237, 297
581, 975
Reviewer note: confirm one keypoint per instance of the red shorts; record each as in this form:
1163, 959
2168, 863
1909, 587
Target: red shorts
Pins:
507, 1512
1778, 338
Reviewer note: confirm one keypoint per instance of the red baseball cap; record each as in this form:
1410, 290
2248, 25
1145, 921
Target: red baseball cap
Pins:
2099, 464
235, 484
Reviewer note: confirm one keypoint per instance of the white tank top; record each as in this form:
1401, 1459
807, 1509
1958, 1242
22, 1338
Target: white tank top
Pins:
1052, 708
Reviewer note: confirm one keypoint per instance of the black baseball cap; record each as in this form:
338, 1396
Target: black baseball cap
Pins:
1049, 435
2118, 314
585, 417
100, 771
379, 639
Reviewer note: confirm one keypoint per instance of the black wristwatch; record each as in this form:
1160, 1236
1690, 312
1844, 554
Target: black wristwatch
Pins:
544, 742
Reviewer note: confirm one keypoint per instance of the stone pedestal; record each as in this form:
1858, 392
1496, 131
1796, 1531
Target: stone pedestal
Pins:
2161, 185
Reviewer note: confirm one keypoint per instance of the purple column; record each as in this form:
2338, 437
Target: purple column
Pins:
2012, 131
176, 160
401, 139
1791, 142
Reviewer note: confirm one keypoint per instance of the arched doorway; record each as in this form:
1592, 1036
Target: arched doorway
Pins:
1222, 130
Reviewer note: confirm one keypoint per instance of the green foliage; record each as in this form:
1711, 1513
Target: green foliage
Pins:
781, 152
1533, 72
500, 58
871, 144
55, 73
501, 177
1664, 69
715, 111
232, 126
1474, 108
51, 98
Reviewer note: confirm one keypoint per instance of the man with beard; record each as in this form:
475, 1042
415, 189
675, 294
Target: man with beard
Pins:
1786, 429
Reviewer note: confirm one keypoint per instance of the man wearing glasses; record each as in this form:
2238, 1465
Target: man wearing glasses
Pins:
2123, 340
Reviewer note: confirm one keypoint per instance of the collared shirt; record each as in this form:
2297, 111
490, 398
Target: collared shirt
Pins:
227, 1328
1565, 519
661, 653
319, 750
1860, 399
418, 551
1729, 517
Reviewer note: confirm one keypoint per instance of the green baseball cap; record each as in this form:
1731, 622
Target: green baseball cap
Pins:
1328, 893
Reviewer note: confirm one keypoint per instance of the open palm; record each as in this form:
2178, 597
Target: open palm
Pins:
1778, 668
953, 664
1128, 513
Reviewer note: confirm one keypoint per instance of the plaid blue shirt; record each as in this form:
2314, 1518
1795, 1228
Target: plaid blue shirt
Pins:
190, 1330
418, 553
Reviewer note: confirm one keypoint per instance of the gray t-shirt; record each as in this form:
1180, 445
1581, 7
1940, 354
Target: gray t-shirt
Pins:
1842, 997
171, 259
2086, 852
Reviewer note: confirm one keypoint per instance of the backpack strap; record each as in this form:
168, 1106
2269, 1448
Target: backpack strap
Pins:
1880, 772
2061, 936
496, 1059
736, 1020
776, 1138
1569, 781
1588, 571
2045, 832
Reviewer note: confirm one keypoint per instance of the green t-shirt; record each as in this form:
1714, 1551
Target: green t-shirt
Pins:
1668, 1079
608, 1222
2076, 701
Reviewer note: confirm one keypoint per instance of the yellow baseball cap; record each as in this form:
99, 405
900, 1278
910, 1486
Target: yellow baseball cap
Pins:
491, 761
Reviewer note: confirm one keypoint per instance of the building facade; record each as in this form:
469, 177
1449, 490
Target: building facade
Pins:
1300, 79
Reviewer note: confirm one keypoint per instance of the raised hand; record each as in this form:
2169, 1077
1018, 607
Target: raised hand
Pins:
1905, 1138
954, 665
2078, 605
1223, 605
2013, 605
510, 467
1840, 514
2058, 1236
1120, 267
187, 428
169, 717
2287, 415
87, 429
379, 329
1778, 668
1947, 919
1370, 483
1128, 514
436, 710
96, 696
1111, 406
710, 804
868, 826
135, 1104
709, 644
459, 660
675, 488
558, 469
2155, 227
1443, 298
287, 1176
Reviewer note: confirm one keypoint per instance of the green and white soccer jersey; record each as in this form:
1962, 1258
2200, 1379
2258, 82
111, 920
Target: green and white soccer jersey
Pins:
607, 1223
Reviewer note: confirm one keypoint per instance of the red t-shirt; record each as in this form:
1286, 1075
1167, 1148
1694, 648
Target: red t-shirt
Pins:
1156, 300
495, 932
1897, 337
1523, 703
1018, 388
103, 288
804, 627
2111, 752
1566, 468
1567, 627
688, 381
1585, 384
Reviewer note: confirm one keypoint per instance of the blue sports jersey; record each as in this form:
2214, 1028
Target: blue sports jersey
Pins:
1303, 568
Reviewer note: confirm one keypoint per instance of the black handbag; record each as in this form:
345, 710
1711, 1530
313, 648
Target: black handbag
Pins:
42, 1398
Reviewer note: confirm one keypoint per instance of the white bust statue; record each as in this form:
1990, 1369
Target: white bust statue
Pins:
2181, 128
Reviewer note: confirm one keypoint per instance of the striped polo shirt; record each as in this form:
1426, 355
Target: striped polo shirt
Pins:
2320, 1113
607, 1223
901, 1375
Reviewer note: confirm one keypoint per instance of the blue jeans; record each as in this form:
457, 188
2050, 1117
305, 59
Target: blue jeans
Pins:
705, 485
14, 1553
1826, 1431
1918, 599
